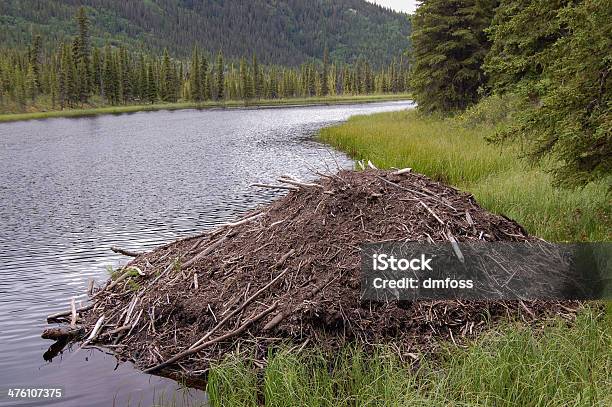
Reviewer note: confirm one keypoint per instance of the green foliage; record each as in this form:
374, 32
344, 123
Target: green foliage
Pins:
449, 46
287, 32
75, 75
562, 72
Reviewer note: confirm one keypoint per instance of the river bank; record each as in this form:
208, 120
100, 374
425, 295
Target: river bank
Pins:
229, 104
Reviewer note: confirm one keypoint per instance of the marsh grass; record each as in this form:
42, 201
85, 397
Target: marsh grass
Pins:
46, 113
454, 151
558, 365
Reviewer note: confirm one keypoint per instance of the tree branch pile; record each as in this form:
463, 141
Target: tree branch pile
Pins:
290, 272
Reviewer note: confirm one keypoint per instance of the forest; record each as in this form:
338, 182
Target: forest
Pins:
544, 64
75, 74
284, 32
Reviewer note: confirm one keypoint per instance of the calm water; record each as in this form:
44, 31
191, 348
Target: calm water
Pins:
71, 188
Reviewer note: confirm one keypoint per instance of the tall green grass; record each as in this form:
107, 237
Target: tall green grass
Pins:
454, 151
514, 366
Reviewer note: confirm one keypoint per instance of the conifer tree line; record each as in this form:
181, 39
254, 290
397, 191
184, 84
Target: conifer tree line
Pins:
76, 72
552, 57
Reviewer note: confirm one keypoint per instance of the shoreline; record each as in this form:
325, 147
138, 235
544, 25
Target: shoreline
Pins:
230, 104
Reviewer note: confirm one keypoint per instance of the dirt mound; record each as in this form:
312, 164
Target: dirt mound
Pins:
290, 271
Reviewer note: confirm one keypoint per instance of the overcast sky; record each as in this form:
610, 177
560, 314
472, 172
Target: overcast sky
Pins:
407, 6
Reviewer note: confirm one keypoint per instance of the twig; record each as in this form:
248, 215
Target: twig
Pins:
243, 221
228, 335
95, 331
205, 252
432, 212
69, 312
300, 184
125, 252
274, 186
74, 314
237, 310
402, 171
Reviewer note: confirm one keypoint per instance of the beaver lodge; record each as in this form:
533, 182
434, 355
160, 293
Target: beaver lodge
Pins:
289, 272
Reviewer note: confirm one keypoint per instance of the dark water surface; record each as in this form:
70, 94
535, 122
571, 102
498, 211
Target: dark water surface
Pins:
71, 188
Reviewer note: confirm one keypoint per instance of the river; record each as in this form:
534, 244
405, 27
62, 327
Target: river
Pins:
71, 188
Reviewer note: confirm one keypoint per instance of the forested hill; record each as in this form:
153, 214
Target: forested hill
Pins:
286, 32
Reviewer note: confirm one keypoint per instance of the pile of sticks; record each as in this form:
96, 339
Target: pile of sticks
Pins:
288, 272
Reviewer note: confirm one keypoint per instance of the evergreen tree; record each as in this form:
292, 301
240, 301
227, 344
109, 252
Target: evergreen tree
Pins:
110, 83
555, 56
168, 85
206, 79
196, 90
83, 51
324, 75
127, 79
245, 88
96, 71
257, 79
35, 62
31, 83
220, 77
449, 46
151, 84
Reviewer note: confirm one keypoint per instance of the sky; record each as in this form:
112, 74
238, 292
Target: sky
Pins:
407, 6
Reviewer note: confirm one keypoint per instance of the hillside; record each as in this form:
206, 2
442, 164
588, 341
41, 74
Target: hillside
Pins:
286, 32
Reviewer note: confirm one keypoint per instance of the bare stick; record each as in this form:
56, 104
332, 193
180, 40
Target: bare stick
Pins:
243, 221
237, 310
118, 330
195, 281
402, 171
90, 286
125, 252
119, 279
432, 212
204, 252
372, 166
95, 331
300, 184
228, 335
69, 312
274, 186
73, 320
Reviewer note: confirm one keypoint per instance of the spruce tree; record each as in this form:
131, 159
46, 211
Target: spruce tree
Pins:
220, 77
151, 84
35, 61
324, 75
96, 71
206, 82
257, 79
449, 45
195, 78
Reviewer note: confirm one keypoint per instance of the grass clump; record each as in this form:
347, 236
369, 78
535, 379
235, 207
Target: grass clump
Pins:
455, 151
568, 365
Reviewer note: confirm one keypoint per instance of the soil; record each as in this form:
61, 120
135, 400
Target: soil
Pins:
290, 272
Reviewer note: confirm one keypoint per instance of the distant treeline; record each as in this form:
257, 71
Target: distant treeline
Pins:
74, 73
552, 58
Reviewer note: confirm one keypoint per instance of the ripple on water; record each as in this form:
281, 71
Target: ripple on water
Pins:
71, 188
